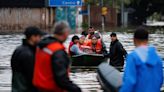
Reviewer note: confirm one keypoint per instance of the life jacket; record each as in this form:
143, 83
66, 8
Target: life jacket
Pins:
97, 48
43, 75
88, 36
69, 48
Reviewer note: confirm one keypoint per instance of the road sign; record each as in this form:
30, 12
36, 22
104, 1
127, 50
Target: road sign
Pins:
59, 3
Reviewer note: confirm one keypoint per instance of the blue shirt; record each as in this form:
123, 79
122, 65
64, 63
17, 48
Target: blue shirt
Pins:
143, 72
75, 49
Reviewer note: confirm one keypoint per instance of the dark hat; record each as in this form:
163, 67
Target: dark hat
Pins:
75, 38
94, 36
113, 34
29, 31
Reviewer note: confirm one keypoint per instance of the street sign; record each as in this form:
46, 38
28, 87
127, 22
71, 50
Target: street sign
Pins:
83, 12
59, 3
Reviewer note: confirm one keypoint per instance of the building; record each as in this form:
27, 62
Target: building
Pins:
15, 15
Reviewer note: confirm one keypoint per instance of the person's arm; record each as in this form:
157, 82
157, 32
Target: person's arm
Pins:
161, 71
121, 49
129, 79
60, 63
76, 50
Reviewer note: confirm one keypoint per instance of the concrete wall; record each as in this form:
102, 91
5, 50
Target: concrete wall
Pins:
16, 19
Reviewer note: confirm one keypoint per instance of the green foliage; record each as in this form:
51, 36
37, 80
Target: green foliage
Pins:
156, 16
84, 26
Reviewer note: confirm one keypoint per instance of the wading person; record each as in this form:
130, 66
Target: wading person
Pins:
143, 71
52, 63
22, 61
117, 52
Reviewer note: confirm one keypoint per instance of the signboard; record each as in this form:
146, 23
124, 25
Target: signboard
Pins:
59, 3
83, 12
67, 14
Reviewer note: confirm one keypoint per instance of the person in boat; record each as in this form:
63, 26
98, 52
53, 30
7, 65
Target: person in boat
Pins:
117, 52
74, 48
97, 46
91, 32
83, 45
51, 73
22, 61
144, 68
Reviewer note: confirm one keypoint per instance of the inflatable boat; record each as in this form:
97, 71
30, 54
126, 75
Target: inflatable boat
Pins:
109, 77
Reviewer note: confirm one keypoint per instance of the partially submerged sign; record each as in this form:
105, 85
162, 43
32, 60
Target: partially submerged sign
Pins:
60, 3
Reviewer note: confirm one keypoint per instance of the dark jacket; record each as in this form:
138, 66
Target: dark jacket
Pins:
60, 65
117, 54
22, 63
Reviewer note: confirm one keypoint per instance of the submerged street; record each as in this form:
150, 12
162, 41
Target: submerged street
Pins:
86, 79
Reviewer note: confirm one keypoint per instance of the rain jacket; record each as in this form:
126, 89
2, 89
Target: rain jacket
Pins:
143, 71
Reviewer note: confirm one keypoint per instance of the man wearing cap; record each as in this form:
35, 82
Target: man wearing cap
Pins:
51, 73
22, 61
117, 52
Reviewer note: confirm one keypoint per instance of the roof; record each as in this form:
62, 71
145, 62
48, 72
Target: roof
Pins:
23, 3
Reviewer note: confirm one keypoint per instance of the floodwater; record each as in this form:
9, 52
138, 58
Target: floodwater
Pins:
86, 79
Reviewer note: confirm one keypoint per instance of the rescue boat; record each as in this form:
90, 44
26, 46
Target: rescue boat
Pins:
88, 60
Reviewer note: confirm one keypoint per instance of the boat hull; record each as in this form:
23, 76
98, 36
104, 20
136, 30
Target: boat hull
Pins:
87, 60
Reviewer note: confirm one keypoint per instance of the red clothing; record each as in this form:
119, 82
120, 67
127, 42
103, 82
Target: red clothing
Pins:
43, 78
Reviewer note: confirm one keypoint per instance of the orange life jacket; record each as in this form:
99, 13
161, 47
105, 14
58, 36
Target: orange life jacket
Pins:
43, 74
98, 46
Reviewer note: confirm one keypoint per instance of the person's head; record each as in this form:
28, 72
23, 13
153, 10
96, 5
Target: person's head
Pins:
75, 39
113, 36
91, 30
82, 39
33, 35
94, 39
141, 36
61, 30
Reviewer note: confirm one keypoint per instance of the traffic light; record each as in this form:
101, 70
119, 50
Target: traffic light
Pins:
104, 10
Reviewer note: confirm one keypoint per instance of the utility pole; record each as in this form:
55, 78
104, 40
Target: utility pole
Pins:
122, 13
102, 16
89, 16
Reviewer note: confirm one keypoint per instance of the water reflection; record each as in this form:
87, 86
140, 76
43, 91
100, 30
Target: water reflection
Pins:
85, 79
